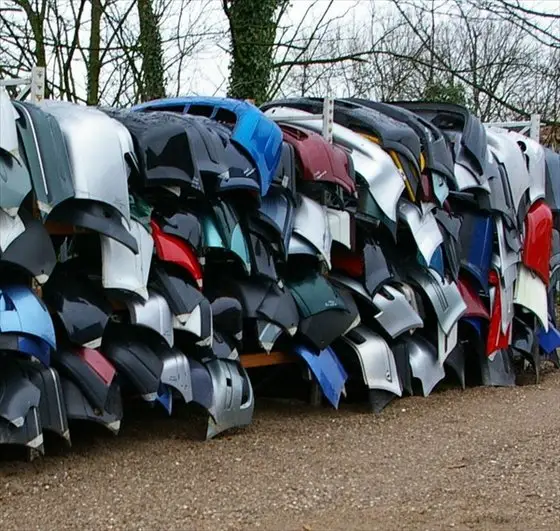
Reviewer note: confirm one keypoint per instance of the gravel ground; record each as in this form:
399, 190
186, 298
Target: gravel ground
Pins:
478, 459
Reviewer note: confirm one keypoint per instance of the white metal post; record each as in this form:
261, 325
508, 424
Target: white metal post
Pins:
328, 118
34, 85
535, 129
37, 92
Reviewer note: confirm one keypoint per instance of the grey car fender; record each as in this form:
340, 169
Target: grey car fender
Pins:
233, 400
267, 333
11, 227
446, 342
424, 363
176, 373
444, 295
46, 155
300, 246
79, 408
15, 183
536, 164
8, 131
395, 314
311, 223
52, 408
19, 409
153, 313
466, 180
376, 359
124, 270
497, 370
424, 229
17, 394
509, 155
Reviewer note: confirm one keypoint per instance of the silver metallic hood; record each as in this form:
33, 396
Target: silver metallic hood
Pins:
95, 148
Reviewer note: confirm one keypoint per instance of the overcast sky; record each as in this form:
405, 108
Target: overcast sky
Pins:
209, 68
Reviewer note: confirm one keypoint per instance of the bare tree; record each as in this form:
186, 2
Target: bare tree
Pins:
94, 51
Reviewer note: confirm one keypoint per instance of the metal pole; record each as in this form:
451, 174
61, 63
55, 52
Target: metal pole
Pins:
328, 118
37, 84
535, 129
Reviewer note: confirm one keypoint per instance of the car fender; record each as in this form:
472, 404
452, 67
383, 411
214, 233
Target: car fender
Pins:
552, 174
47, 156
473, 301
260, 137
538, 240
233, 400
18, 394
31, 250
261, 255
15, 183
536, 164
444, 296
327, 370
176, 374
52, 408
32, 346
371, 268
8, 131
476, 236
378, 366
340, 226
498, 370
97, 217
530, 292
81, 306
21, 311
183, 225
549, 341
311, 223
227, 317
154, 314
90, 371
320, 161
174, 250
164, 144
134, 359
181, 296
99, 168
124, 270
424, 363
508, 154
277, 211
79, 408
424, 229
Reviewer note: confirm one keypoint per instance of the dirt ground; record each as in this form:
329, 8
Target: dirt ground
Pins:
475, 459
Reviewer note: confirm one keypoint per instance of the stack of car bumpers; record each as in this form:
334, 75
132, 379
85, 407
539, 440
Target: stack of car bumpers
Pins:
146, 252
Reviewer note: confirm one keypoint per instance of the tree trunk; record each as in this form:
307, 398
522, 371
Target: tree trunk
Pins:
153, 84
252, 32
94, 62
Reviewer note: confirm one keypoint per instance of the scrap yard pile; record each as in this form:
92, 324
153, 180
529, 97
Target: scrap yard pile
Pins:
154, 253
